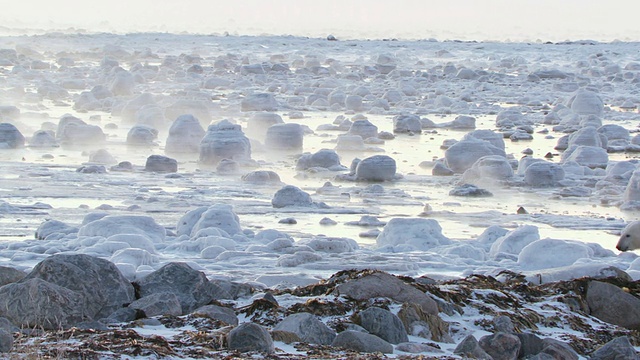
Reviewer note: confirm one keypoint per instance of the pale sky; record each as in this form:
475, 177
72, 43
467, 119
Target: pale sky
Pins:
553, 20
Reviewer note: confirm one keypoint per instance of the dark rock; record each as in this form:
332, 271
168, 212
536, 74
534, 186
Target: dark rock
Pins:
6, 341
98, 281
217, 313
250, 337
290, 195
36, 303
381, 284
440, 169
261, 177
617, 349
558, 350
192, 287
530, 344
362, 342
123, 315
158, 304
503, 324
469, 347
376, 168
10, 137
384, 324
469, 191
159, 163
10, 275
501, 346
308, 328
609, 303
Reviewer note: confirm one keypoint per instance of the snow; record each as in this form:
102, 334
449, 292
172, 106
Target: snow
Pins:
231, 228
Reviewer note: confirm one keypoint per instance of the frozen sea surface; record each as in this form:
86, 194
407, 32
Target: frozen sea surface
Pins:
321, 85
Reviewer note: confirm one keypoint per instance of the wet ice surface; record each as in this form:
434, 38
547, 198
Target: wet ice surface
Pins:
46, 76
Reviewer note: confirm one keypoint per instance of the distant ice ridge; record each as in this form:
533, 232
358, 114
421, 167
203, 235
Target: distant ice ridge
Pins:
211, 238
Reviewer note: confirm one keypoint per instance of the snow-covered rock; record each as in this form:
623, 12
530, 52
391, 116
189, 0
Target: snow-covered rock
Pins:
185, 135
290, 195
463, 154
408, 234
323, 158
543, 173
259, 102
376, 168
585, 102
259, 123
224, 140
124, 224
285, 137
10, 137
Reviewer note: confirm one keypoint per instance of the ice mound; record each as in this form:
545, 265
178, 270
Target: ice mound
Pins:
585, 102
290, 195
124, 224
73, 131
512, 243
590, 156
218, 216
488, 168
540, 173
464, 153
43, 139
285, 136
587, 136
141, 135
407, 124
10, 137
224, 140
323, 158
364, 128
185, 135
261, 177
376, 168
552, 253
408, 234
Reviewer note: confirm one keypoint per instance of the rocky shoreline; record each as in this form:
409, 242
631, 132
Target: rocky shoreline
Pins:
81, 307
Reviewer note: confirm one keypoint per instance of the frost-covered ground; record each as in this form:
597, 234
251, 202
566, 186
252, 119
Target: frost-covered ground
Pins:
557, 223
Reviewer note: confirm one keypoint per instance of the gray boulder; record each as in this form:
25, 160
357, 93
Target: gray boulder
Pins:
10, 137
216, 312
192, 287
224, 140
609, 303
196, 107
36, 303
141, 135
376, 168
43, 139
556, 349
585, 102
160, 163
185, 135
73, 131
617, 349
463, 154
384, 324
10, 275
323, 158
290, 195
261, 177
591, 156
158, 304
470, 348
380, 284
364, 128
250, 337
98, 281
407, 124
530, 344
543, 173
308, 328
285, 137
361, 342
501, 346
6, 341
219, 216
259, 102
